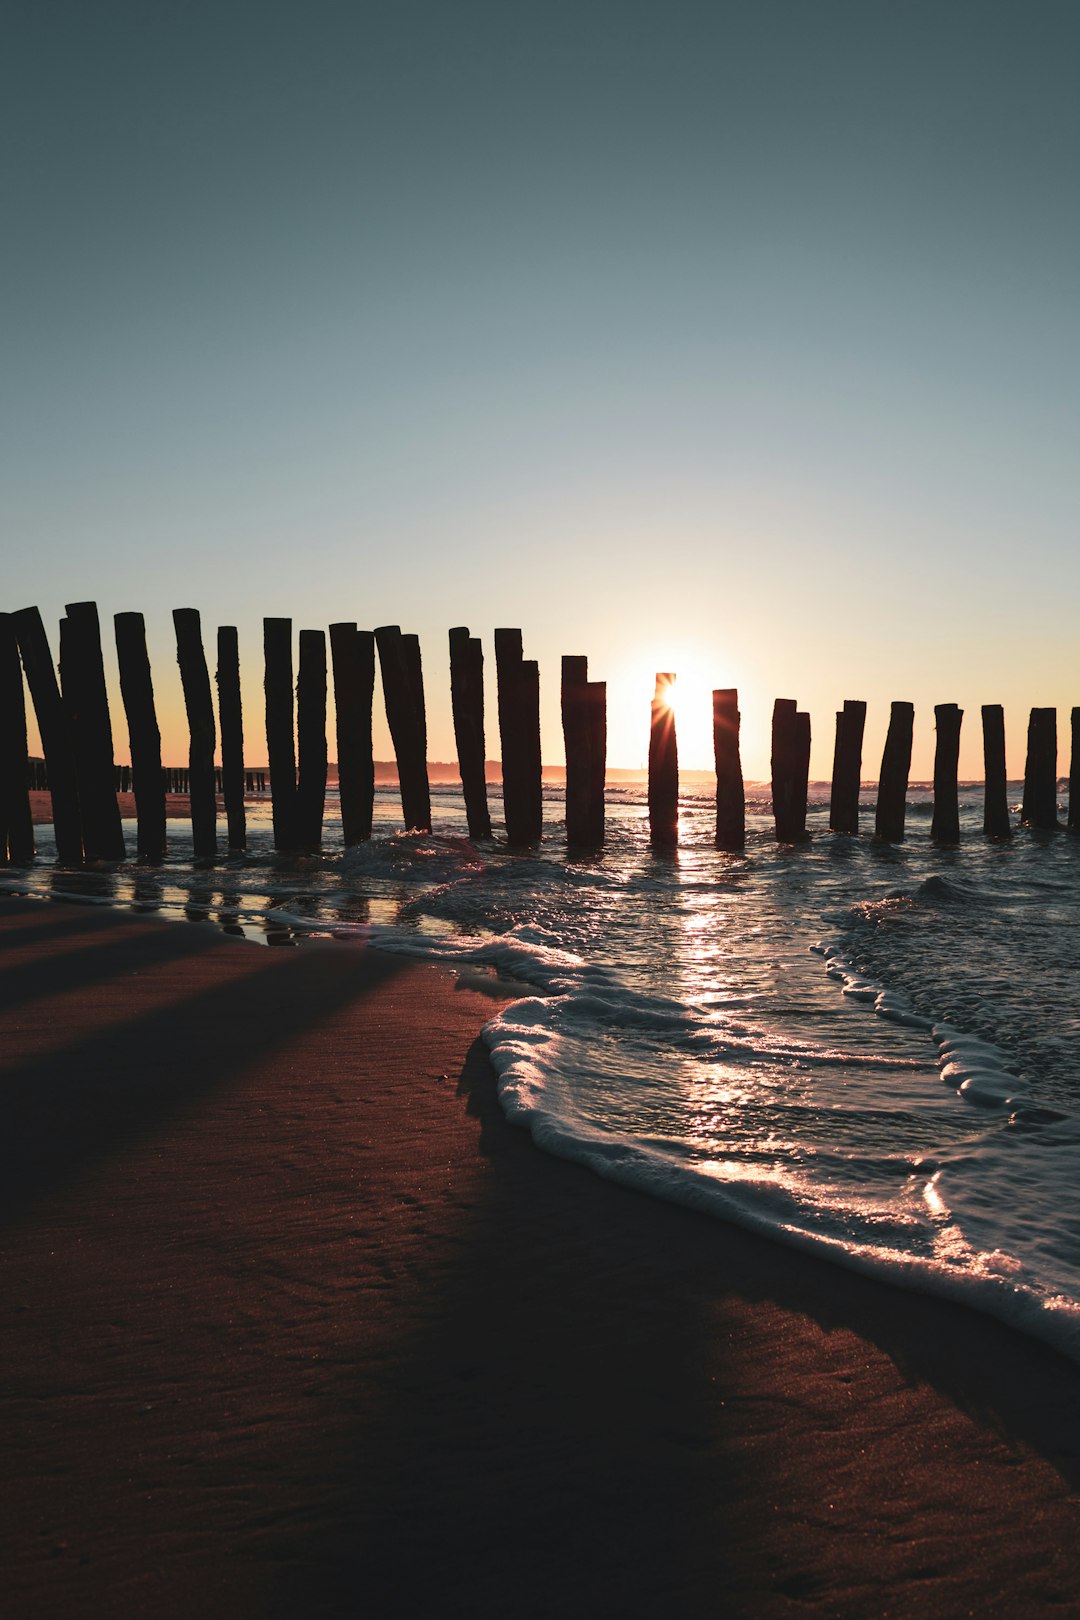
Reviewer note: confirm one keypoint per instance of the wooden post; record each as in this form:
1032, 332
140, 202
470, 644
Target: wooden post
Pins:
575, 678
790, 770
199, 703
1040, 771
398, 662
730, 794
1074, 773
467, 701
352, 653
519, 732
802, 773
137, 691
280, 736
995, 793
663, 767
87, 704
56, 743
847, 768
16, 820
594, 726
231, 715
945, 826
895, 770
311, 738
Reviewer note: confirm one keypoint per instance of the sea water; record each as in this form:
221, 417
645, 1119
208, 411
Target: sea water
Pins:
869, 1051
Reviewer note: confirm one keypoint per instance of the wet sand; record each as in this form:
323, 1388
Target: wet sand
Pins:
295, 1324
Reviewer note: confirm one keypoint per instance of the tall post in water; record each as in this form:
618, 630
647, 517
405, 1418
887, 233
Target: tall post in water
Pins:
467, 701
1074, 773
995, 796
584, 717
399, 663
231, 715
56, 743
280, 735
519, 733
410, 646
945, 825
730, 793
148, 778
16, 820
790, 770
847, 767
663, 766
895, 770
199, 702
353, 655
311, 738
1040, 771
87, 704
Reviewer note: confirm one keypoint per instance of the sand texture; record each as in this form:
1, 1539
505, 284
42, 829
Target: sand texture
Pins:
295, 1324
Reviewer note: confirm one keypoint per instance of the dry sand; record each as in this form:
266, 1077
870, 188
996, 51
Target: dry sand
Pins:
296, 1325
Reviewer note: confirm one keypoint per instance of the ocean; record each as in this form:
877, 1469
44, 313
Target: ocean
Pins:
871, 1052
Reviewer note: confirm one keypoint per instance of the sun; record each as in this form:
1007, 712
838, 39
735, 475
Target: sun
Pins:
632, 686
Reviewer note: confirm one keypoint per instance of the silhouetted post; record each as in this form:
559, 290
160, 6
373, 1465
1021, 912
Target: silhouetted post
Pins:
352, 653
790, 770
519, 732
137, 691
847, 768
945, 826
199, 703
87, 704
895, 770
280, 735
663, 766
594, 726
995, 795
1074, 773
56, 744
802, 772
467, 701
231, 715
1040, 771
584, 716
730, 794
311, 738
399, 663
16, 820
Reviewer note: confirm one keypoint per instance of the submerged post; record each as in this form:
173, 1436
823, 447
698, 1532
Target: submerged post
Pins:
399, 662
231, 715
584, 717
352, 653
148, 778
730, 793
16, 820
790, 770
199, 702
663, 766
311, 738
995, 793
56, 743
467, 702
895, 770
519, 733
280, 738
945, 825
87, 704
847, 767
1074, 773
1040, 771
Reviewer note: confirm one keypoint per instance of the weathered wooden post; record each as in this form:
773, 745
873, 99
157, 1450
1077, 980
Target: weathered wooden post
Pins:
137, 691
945, 825
895, 770
199, 703
1040, 771
790, 770
995, 794
16, 820
352, 654
280, 734
802, 772
663, 766
82, 675
231, 715
1074, 773
467, 701
311, 738
730, 793
847, 768
584, 716
56, 743
399, 661
519, 732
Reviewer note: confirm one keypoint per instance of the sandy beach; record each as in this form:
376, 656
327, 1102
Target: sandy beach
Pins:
295, 1324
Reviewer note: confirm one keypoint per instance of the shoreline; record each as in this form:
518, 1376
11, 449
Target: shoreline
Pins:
304, 1326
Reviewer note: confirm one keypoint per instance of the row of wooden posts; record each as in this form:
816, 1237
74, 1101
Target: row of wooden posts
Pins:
83, 779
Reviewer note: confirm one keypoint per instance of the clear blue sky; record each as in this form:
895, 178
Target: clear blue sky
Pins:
736, 338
